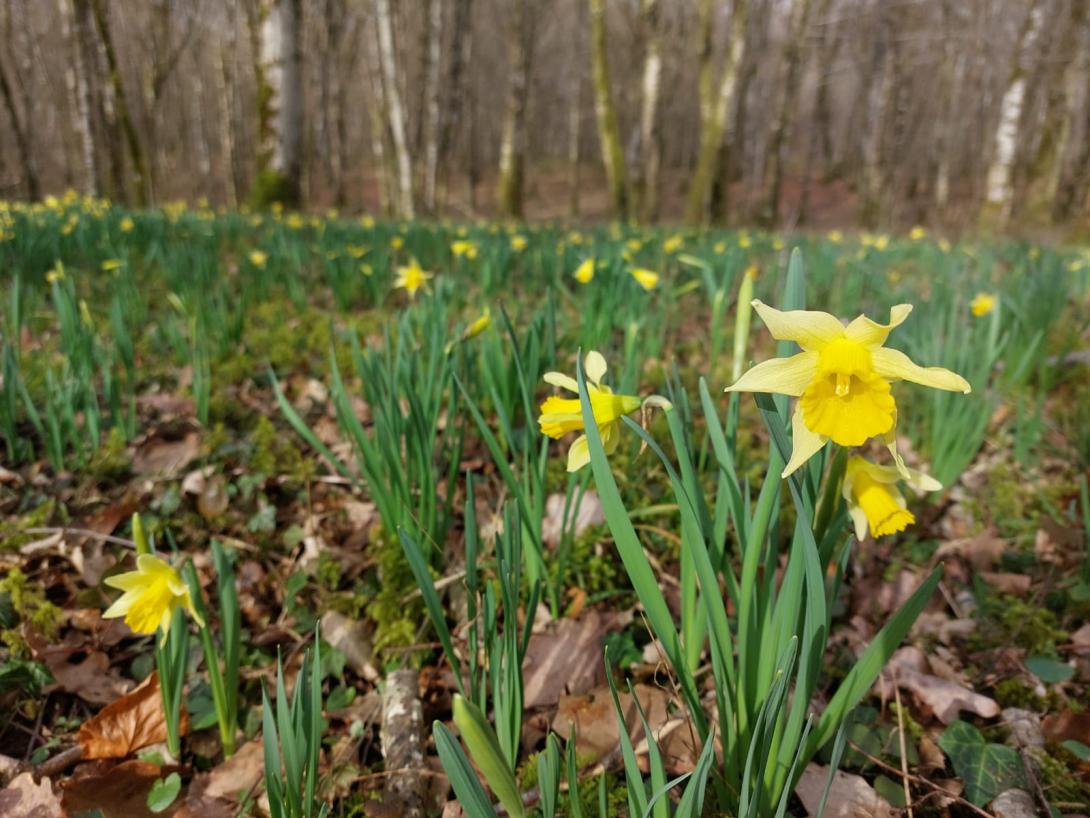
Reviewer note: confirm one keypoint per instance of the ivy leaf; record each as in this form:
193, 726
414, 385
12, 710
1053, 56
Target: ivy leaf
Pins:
163, 792
987, 769
1049, 670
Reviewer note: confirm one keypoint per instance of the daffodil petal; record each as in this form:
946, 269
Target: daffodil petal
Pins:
595, 367
859, 519
120, 607
562, 381
810, 329
804, 444
578, 454
125, 582
892, 364
922, 482
784, 376
872, 334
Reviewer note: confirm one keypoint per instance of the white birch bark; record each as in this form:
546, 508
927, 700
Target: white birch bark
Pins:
999, 187
650, 147
433, 48
394, 108
282, 68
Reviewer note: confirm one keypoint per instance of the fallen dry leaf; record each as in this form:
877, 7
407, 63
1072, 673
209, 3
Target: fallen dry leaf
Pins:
92, 678
587, 513
981, 551
1007, 583
231, 780
565, 658
352, 638
166, 458
909, 669
1066, 726
850, 796
114, 790
124, 726
22, 798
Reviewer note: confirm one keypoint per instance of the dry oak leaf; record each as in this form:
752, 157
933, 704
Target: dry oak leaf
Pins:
908, 668
124, 726
850, 796
22, 798
114, 790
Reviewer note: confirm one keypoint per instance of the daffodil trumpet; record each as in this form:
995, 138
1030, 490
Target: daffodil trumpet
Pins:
152, 593
842, 377
874, 501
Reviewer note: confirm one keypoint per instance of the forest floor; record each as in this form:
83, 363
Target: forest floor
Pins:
364, 460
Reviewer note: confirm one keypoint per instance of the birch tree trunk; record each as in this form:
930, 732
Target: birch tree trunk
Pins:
791, 74
279, 77
132, 141
647, 185
378, 119
575, 122
395, 110
609, 134
714, 106
509, 190
999, 187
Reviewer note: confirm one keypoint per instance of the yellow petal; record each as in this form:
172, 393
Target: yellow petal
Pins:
784, 376
562, 380
894, 365
808, 328
578, 454
594, 365
804, 443
871, 333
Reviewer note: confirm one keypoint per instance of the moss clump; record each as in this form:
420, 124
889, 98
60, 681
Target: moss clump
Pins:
271, 188
396, 622
1058, 769
14, 534
1029, 626
1016, 693
110, 463
30, 607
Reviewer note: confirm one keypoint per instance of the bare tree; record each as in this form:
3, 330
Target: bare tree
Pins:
395, 111
520, 49
647, 183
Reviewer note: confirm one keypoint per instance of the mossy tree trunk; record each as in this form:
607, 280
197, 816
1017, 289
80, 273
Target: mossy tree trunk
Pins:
716, 102
121, 107
450, 114
609, 134
509, 188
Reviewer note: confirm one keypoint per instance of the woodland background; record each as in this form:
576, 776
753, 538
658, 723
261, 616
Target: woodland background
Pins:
882, 113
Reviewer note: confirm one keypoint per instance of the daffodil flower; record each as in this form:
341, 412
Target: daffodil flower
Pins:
518, 243
464, 248
648, 279
411, 278
585, 271
258, 258
562, 415
983, 304
875, 502
152, 593
842, 377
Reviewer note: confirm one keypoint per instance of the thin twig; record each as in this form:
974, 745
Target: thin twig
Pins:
904, 752
83, 532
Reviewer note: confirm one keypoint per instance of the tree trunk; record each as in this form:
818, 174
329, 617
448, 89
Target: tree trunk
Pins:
647, 187
279, 78
819, 136
575, 122
394, 109
714, 107
609, 134
999, 188
75, 16
432, 45
20, 126
225, 80
791, 73
451, 113
952, 71
132, 141
509, 190
879, 102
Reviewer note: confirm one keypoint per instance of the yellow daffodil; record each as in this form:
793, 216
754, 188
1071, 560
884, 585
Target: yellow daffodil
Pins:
152, 593
111, 264
562, 415
585, 271
465, 249
397, 242
917, 233
411, 278
777, 243
720, 247
356, 250
842, 377
479, 325
258, 258
633, 245
983, 304
835, 236
56, 274
648, 279
744, 241
672, 244
875, 502
518, 243
127, 225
